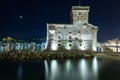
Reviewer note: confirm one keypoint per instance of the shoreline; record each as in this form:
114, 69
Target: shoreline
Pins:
110, 56
28, 56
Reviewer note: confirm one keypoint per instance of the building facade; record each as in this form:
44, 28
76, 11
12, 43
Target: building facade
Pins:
113, 44
79, 35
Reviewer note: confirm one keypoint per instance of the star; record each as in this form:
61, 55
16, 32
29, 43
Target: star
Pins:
21, 17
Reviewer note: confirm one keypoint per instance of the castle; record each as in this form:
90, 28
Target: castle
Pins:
79, 35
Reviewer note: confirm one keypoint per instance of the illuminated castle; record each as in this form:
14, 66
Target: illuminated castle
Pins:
78, 35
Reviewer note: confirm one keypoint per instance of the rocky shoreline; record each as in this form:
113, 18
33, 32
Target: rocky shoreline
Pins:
38, 55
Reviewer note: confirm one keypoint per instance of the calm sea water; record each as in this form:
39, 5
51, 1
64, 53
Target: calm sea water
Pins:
67, 69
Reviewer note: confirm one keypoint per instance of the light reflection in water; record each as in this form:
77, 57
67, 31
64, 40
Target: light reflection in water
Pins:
54, 70
68, 66
83, 69
53, 74
20, 71
46, 69
95, 68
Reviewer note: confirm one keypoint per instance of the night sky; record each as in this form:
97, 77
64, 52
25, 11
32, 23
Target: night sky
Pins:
28, 18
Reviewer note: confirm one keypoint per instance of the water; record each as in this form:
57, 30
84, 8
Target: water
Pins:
67, 69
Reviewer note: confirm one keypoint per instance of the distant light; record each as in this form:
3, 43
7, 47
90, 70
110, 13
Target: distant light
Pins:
21, 17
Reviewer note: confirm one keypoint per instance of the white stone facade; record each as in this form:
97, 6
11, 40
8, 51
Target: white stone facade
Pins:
78, 35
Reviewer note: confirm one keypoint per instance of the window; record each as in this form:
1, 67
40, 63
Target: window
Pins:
80, 44
59, 44
70, 32
52, 27
59, 37
79, 13
70, 45
85, 24
70, 40
84, 18
70, 37
78, 31
59, 41
59, 32
93, 28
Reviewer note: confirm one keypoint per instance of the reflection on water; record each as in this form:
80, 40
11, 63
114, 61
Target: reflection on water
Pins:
20, 72
65, 69
71, 70
68, 67
46, 69
54, 70
95, 68
83, 69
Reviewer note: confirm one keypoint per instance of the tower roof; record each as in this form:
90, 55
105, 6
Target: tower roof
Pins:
80, 7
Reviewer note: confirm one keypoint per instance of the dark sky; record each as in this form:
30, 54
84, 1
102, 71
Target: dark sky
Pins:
25, 18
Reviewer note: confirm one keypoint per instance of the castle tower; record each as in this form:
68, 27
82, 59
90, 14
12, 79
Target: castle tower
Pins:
80, 14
